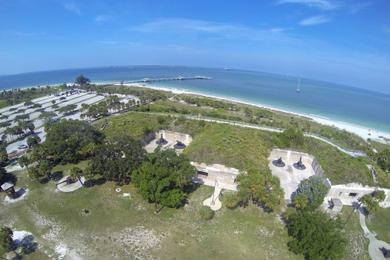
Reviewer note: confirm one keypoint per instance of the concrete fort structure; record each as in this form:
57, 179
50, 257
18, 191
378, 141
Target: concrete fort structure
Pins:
291, 168
168, 140
216, 175
350, 193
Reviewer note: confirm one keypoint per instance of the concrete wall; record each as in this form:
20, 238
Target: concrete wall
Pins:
352, 192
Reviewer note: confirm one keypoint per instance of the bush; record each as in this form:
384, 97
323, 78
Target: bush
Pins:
206, 213
231, 200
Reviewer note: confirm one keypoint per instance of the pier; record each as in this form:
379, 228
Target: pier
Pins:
151, 80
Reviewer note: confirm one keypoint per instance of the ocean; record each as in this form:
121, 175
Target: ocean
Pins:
316, 98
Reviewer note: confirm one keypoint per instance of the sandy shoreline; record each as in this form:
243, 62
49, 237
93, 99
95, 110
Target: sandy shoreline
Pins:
361, 131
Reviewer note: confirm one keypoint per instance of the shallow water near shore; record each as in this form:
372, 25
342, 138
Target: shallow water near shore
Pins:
319, 99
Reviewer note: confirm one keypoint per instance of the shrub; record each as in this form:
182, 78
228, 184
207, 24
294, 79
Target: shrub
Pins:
206, 213
231, 200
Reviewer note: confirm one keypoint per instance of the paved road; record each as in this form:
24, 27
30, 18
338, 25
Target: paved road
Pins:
265, 128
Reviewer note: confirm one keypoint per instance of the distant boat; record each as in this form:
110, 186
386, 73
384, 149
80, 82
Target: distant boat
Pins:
227, 68
298, 90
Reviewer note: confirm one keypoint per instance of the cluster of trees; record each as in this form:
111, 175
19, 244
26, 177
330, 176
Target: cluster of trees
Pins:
165, 179
261, 188
103, 108
383, 160
291, 137
6, 241
16, 96
67, 141
116, 160
313, 233
310, 193
21, 129
371, 201
209, 102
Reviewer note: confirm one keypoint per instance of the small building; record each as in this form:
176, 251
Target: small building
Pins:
9, 188
216, 174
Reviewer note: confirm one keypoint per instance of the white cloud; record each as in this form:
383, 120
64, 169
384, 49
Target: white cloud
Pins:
213, 29
72, 7
314, 20
321, 4
102, 18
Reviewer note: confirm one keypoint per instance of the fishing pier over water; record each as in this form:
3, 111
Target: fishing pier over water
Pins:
151, 80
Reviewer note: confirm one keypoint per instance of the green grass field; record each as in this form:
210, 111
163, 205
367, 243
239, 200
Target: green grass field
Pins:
380, 224
127, 227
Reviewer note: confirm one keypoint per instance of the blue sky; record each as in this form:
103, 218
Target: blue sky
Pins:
343, 41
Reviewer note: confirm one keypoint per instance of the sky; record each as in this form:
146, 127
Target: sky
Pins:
341, 41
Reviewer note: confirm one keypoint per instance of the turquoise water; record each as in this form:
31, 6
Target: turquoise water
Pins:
336, 102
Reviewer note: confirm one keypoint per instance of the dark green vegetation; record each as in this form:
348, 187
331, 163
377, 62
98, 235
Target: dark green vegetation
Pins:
144, 94
5, 240
115, 160
16, 96
165, 179
315, 235
371, 201
383, 159
261, 188
311, 193
82, 80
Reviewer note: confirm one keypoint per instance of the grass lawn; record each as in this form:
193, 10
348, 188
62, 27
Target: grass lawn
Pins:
127, 227
380, 224
357, 244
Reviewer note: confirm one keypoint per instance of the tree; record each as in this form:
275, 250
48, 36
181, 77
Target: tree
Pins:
75, 173
371, 201
314, 190
291, 137
67, 109
33, 141
66, 139
301, 201
3, 174
3, 156
31, 127
116, 160
261, 188
315, 235
23, 161
383, 159
164, 179
5, 240
82, 80
231, 200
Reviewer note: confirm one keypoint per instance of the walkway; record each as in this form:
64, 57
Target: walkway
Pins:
213, 202
375, 244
